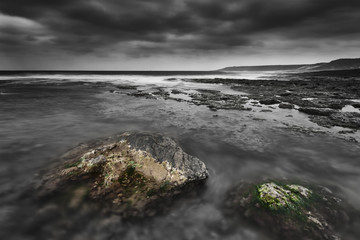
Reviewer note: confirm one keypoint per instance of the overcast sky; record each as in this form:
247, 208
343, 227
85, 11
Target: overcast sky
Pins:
174, 34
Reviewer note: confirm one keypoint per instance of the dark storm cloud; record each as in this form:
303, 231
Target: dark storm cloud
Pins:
165, 26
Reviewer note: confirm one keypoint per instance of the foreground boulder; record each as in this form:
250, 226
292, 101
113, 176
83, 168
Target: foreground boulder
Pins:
288, 211
128, 172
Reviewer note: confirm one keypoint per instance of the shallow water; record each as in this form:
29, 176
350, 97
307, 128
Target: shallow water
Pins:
39, 122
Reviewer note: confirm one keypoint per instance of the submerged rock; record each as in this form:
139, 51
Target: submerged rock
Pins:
128, 172
317, 111
126, 87
176, 91
289, 211
286, 106
269, 101
265, 110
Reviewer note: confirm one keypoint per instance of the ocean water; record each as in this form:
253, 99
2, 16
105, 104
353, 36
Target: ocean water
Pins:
42, 115
137, 77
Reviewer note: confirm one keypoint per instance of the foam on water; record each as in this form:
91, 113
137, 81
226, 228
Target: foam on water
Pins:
141, 78
144, 80
349, 108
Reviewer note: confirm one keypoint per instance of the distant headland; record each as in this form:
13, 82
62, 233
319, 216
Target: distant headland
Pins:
339, 64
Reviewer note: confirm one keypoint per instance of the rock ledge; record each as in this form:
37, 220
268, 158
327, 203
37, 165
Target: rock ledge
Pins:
128, 172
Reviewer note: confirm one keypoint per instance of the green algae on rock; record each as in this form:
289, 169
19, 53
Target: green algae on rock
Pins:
276, 197
288, 210
128, 172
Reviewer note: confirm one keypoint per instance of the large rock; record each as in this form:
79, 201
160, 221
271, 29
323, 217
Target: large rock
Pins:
128, 172
287, 210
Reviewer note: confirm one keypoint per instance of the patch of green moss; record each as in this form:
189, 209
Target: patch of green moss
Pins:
165, 186
74, 164
132, 181
151, 192
286, 201
129, 204
72, 173
299, 190
95, 170
280, 197
133, 164
130, 170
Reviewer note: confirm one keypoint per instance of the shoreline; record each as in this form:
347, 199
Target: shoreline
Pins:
43, 119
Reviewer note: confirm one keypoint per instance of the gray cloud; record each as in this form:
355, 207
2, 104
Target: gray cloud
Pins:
142, 27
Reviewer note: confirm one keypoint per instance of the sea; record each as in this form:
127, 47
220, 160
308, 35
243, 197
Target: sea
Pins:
44, 114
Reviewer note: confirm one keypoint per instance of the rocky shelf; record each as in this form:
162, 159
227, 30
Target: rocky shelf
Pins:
128, 173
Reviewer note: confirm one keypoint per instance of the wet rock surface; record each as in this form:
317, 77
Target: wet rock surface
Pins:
313, 95
317, 111
215, 100
346, 120
289, 210
269, 101
322, 98
129, 173
286, 106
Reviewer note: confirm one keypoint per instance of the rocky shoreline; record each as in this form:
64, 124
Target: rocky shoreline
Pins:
119, 181
325, 98
327, 102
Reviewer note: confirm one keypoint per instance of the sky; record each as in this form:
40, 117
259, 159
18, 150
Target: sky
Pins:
174, 34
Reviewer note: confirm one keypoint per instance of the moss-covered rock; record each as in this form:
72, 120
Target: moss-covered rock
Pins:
288, 210
127, 172
277, 197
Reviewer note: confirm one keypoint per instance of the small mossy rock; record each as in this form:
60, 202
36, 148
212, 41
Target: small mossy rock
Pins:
277, 197
128, 172
288, 210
